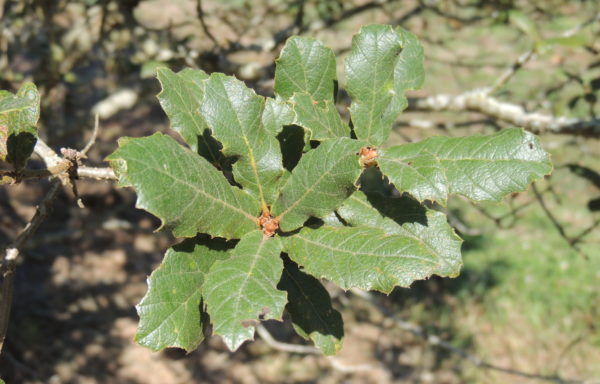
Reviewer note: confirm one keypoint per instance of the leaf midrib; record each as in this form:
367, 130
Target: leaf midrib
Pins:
354, 253
193, 187
308, 190
405, 231
244, 135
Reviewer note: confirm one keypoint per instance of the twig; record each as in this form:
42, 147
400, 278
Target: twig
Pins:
51, 159
437, 341
585, 232
327, 23
511, 71
200, 13
92, 139
308, 350
284, 347
46, 153
560, 229
351, 368
11, 257
96, 173
480, 101
65, 169
530, 54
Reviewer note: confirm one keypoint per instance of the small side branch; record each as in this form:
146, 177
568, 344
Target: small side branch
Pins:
512, 71
11, 256
52, 159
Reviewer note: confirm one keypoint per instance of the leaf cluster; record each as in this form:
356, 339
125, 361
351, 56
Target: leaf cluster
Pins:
274, 194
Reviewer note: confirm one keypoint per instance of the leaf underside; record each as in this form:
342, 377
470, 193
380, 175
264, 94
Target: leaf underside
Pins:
241, 290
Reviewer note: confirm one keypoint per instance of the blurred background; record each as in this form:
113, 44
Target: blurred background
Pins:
526, 306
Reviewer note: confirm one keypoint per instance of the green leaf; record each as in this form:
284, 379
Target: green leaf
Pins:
309, 305
362, 257
409, 73
422, 175
18, 118
242, 290
478, 167
406, 217
305, 65
170, 311
181, 97
182, 189
321, 119
320, 182
234, 112
384, 63
332, 220
276, 115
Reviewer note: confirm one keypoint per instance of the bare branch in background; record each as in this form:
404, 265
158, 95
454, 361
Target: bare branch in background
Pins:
478, 100
92, 139
200, 13
309, 350
559, 227
527, 56
11, 257
439, 342
512, 70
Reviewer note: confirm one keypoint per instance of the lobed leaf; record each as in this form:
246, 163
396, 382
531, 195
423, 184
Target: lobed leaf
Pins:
362, 257
478, 167
241, 290
181, 97
422, 175
182, 189
305, 65
309, 305
409, 72
234, 114
406, 217
18, 119
321, 119
276, 115
320, 182
383, 64
170, 311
